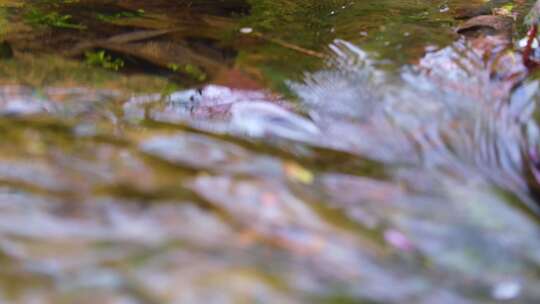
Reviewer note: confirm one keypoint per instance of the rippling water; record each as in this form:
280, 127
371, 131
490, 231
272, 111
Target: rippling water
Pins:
415, 186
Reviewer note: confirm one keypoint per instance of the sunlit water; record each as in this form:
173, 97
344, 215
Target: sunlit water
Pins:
416, 186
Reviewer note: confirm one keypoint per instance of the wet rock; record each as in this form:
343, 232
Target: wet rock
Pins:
488, 25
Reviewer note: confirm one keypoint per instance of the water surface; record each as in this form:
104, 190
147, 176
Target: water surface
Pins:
264, 152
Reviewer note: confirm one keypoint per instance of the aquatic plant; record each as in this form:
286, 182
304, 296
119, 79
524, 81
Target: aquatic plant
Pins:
101, 58
35, 16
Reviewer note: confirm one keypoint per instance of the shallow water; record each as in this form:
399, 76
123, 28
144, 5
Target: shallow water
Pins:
343, 152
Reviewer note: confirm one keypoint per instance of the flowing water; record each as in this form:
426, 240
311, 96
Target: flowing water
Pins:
265, 152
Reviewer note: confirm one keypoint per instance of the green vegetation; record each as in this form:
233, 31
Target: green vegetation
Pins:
104, 60
190, 70
121, 15
54, 19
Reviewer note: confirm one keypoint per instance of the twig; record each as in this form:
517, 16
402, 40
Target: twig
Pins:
290, 46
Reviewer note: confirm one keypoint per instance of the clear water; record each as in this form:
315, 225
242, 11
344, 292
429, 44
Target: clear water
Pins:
401, 166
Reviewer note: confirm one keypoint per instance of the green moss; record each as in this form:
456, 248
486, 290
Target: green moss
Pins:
104, 60
121, 15
38, 17
49, 70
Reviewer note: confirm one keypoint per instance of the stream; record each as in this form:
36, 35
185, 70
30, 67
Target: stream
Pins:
268, 151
